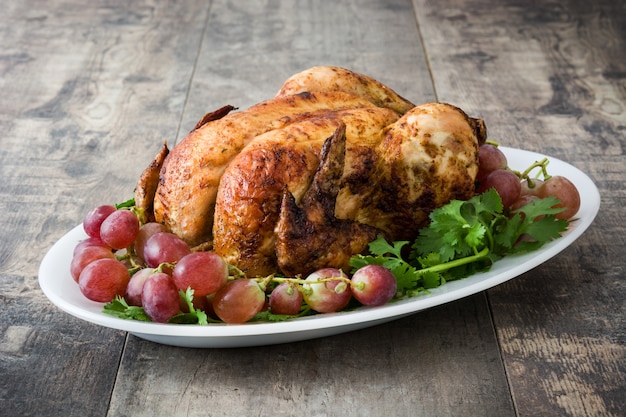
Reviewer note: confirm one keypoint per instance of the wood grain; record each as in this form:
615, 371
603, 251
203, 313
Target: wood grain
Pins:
345, 375
556, 74
90, 90
440, 362
87, 89
249, 50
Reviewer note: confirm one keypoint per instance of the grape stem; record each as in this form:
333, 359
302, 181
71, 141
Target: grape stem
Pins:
265, 281
127, 256
478, 255
525, 175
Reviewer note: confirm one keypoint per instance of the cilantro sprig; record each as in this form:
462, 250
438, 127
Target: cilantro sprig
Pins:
120, 309
194, 316
465, 237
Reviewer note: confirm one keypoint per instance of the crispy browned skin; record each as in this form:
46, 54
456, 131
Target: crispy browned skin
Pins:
310, 237
329, 78
185, 196
250, 192
147, 185
214, 115
394, 174
427, 158
149, 179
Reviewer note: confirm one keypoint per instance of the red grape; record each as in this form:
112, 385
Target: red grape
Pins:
135, 286
146, 232
93, 219
506, 184
208, 309
164, 247
103, 279
490, 158
87, 255
330, 296
522, 201
238, 301
204, 272
373, 285
286, 299
90, 241
160, 298
120, 229
563, 189
535, 189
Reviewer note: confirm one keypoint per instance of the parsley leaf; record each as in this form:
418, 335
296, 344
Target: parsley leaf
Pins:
267, 315
389, 256
194, 316
465, 237
119, 308
535, 224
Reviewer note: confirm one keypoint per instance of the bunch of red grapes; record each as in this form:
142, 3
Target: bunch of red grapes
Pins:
162, 265
517, 189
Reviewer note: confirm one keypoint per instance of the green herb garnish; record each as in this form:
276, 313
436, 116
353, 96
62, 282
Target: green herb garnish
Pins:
465, 237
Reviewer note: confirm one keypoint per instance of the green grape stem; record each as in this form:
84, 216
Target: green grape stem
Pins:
525, 175
265, 281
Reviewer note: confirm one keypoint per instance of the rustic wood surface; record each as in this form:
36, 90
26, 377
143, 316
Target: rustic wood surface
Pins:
89, 90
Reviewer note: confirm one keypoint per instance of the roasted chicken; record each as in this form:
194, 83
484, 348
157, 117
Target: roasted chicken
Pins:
185, 196
308, 178
310, 237
250, 192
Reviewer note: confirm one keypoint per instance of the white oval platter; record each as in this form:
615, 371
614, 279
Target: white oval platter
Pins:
57, 284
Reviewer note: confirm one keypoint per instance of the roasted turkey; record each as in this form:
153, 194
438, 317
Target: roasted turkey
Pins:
308, 178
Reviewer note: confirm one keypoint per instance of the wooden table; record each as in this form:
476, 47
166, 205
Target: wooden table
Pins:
89, 90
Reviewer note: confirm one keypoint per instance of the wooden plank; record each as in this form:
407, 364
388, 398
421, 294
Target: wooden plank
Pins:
441, 362
550, 77
87, 89
250, 50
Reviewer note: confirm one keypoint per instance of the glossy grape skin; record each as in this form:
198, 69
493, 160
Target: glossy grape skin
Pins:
120, 229
103, 279
160, 298
506, 184
204, 272
373, 285
90, 241
94, 218
285, 299
164, 247
490, 158
535, 190
86, 255
522, 201
566, 192
135, 286
146, 232
238, 301
326, 297
209, 310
